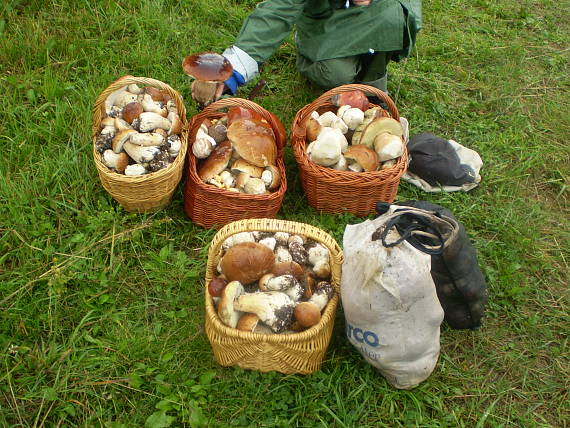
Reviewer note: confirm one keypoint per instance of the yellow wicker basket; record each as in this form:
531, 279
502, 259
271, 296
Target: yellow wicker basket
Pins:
300, 353
142, 193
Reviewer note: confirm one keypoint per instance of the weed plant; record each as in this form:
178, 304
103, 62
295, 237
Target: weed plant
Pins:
101, 320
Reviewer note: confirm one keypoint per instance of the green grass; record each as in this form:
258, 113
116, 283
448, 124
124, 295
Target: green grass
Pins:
101, 320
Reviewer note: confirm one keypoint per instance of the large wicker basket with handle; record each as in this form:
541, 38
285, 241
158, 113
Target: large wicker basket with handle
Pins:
148, 192
332, 191
210, 206
286, 353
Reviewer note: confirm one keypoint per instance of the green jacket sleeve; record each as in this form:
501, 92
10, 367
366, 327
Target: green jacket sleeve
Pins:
267, 26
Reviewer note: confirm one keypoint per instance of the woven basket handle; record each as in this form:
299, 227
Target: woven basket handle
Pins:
276, 125
99, 107
325, 99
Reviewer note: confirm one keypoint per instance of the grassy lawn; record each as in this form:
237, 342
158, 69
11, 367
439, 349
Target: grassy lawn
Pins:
101, 311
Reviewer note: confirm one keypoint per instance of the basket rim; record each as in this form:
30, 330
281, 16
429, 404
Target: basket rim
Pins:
299, 143
275, 225
98, 115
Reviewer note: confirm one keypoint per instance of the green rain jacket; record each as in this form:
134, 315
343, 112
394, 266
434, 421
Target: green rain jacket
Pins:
327, 29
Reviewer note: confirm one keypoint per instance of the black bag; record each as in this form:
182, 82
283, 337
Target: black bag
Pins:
434, 160
459, 282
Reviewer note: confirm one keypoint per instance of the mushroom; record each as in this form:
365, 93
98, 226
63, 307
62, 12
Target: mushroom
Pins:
288, 268
254, 186
369, 116
388, 164
322, 269
269, 242
108, 131
237, 238
270, 282
132, 111
352, 117
203, 147
135, 89
121, 124
295, 292
117, 161
352, 98
318, 253
271, 177
135, 169
208, 69
253, 141
227, 310
273, 308
242, 179
146, 139
327, 148
228, 179
247, 262
312, 129
160, 161
262, 283
219, 132
341, 165
123, 98
216, 162
308, 313
141, 154
388, 146
174, 145
282, 238
239, 112
282, 254
241, 165
364, 157
154, 93
216, 286
148, 104
120, 138
247, 322
175, 123
378, 126
149, 120
298, 252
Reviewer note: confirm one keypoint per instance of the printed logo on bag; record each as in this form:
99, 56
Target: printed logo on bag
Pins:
362, 336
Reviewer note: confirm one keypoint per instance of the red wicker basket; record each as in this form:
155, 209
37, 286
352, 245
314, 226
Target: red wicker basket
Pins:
332, 191
209, 206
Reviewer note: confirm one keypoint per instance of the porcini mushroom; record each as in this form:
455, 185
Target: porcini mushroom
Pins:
273, 308
388, 146
208, 69
352, 98
363, 156
116, 161
227, 311
254, 141
146, 139
247, 322
254, 186
271, 177
241, 165
377, 127
216, 162
135, 169
308, 313
120, 138
149, 120
141, 154
247, 262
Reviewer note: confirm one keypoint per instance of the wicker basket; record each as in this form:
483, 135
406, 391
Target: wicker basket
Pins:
332, 191
210, 206
286, 353
149, 192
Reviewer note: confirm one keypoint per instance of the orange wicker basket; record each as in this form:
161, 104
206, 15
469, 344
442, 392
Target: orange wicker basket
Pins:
286, 353
332, 191
142, 193
210, 206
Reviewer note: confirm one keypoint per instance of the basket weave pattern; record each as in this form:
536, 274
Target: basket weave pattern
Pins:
332, 191
142, 193
209, 206
286, 353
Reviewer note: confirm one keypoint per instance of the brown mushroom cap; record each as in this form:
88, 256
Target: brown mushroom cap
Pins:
366, 157
352, 98
239, 112
247, 262
254, 141
132, 111
208, 66
307, 314
216, 162
377, 127
216, 286
247, 322
288, 268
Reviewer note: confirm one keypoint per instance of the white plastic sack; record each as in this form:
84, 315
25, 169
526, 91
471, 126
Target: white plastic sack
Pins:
390, 304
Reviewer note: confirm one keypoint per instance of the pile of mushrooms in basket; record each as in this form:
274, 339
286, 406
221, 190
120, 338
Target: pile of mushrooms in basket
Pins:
271, 282
238, 152
356, 137
141, 131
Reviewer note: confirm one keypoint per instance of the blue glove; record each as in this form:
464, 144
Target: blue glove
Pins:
235, 80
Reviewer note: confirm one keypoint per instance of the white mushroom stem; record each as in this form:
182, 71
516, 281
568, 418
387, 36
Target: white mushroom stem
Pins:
318, 253
203, 147
141, 154
280, 283
175, 145
146, 139
135, 169
322, 295
273, 308
237, 238
227, 310
149, 104
254, 186
150, 120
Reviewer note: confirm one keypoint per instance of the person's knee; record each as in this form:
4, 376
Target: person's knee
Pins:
330, 74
